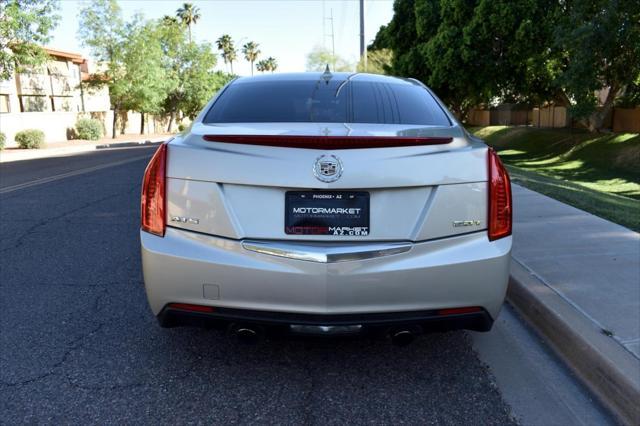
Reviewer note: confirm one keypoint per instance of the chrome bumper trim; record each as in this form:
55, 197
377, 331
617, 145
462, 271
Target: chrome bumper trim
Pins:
326, 252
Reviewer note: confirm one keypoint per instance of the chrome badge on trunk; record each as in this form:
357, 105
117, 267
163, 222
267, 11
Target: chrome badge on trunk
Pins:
327, 168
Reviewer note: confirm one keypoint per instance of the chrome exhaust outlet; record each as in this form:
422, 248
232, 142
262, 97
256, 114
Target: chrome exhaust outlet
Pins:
402, 337
246, 334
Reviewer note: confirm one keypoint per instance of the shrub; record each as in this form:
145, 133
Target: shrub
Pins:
30, 139
89, 128
181, 127
3, 139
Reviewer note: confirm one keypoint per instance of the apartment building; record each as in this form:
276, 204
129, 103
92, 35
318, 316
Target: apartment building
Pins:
50, 97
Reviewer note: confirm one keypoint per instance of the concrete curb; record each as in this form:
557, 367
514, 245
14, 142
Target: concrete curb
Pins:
33, 154
127, 144
602, 364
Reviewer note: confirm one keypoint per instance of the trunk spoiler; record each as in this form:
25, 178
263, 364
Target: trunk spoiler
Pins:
328, 142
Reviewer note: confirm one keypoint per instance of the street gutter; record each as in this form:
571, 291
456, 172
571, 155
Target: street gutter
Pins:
31, 154
608, 370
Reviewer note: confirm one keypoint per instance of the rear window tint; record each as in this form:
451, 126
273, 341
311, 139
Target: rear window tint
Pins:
341, 101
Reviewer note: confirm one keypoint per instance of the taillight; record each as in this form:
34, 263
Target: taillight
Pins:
500, 205
190, 307
152, 207
459, 311
329, 142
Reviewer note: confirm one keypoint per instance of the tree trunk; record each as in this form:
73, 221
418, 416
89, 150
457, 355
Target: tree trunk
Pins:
596, 119
114, 127
142, 123
170, 121
231, 63
561, 99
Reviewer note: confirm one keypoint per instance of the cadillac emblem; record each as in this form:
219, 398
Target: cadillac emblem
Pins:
327, 168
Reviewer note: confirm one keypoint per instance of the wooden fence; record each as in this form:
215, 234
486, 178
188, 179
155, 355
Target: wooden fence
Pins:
620, 120
626, 120
551, 116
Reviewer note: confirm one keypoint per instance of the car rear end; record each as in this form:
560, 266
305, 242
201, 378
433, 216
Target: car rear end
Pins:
326, 203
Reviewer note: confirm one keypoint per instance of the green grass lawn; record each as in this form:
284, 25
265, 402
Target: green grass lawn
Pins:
599, 173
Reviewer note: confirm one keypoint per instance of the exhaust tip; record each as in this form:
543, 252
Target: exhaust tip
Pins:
246, 334
402, 337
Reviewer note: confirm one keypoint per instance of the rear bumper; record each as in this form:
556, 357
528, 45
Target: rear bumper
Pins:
372, 322
191, 268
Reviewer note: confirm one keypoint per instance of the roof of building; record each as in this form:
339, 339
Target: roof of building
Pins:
76, 58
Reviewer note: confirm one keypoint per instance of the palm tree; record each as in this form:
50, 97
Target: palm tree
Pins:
232, 55
229, 54
262, 65
251, 52
272, 63
189, 14
169, 20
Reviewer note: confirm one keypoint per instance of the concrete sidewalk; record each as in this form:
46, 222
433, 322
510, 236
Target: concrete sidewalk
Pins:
78, 146
583, 274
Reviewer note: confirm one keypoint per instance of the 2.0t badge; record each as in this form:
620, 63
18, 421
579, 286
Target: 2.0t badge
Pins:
327, 168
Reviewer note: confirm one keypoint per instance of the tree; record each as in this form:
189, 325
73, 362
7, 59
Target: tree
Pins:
378, 62
130, 56
601, 41
190, 73
146, 76
169, 20
262, 65
473, 51
251, 52
272, 64
229, 54
269, 64
319, 57
511, 45
102, 30
25, 25
431, 47
533, 51
189, 15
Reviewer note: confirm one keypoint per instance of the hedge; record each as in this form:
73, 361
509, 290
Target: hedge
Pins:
89, 129
30, 139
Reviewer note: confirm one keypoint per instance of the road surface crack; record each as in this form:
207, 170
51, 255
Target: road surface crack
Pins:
74, 345
29, 231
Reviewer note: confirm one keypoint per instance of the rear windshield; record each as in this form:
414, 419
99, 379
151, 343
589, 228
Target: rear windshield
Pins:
341, 101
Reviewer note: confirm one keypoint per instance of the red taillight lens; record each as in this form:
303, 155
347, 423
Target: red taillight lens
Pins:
190, 307
329, 142
500, 206
459, 311
152, 207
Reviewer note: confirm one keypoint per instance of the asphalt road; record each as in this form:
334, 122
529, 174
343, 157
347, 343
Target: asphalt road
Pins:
78, 343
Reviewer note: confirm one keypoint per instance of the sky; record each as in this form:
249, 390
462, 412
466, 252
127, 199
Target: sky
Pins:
285, 29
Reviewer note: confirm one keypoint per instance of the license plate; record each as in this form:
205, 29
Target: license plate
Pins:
343, 213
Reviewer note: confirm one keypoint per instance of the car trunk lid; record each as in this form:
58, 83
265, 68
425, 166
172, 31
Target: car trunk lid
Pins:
238, 189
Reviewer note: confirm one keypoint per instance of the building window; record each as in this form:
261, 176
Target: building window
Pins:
4, 103
33, 103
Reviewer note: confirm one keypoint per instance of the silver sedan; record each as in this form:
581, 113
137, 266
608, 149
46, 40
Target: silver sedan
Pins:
326, 203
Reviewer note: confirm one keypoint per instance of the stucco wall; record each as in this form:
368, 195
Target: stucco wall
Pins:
53, 124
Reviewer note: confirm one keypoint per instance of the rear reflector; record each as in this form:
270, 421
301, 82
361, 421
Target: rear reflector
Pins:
500, 204
192, 308
458, 311
328, 142
152, 206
